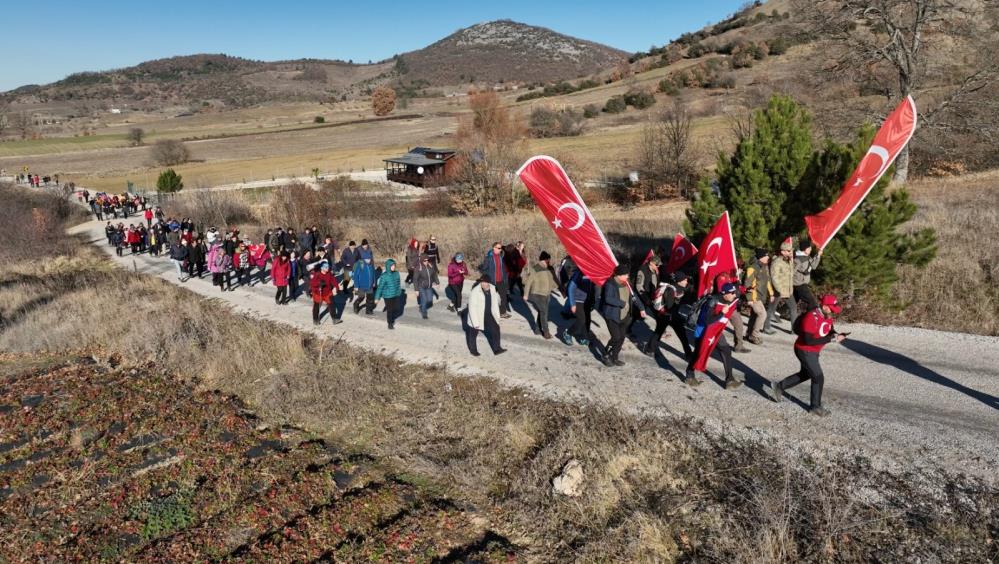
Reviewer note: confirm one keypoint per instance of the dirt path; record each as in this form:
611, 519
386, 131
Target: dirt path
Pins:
904, 397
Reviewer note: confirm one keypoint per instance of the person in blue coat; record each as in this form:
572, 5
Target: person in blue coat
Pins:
363, 277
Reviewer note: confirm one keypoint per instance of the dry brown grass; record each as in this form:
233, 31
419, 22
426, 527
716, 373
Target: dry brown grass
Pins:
655, 489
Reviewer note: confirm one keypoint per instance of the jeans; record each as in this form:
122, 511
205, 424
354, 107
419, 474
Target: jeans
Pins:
180, 267
426, 299
810, 370
541, 304
618, 333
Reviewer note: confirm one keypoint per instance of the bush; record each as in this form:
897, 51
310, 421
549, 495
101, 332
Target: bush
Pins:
169, 181
546, 122
28, 221
135, 136
383, 100
170, 152
615, 105
778, 46
721, 81
319, 119
219, 208
697, 50
591, 111
639, 99
667, 86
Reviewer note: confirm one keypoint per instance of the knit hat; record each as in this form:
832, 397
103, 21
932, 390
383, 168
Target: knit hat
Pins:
804, 244
459, 257
680, 277
485, 279
544, 256
621, 269
787, 245
760, 253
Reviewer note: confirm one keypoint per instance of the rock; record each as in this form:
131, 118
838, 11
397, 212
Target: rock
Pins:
570, 481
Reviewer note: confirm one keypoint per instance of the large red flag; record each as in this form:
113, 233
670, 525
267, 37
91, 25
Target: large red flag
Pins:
888, 143
712, 333
569, 217
717, 254
683, 251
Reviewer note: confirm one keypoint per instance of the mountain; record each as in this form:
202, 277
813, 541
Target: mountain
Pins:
485, 54
506, 51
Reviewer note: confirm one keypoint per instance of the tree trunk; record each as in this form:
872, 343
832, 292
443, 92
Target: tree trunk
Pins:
902, 166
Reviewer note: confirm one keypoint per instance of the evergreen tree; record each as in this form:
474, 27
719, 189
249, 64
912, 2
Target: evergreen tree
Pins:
702, 214
169, 181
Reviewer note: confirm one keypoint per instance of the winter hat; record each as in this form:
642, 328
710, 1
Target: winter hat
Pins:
680, 277
544, 256
621, 269
324, 266
485, 279
804, 244
787, 245
459, 257
760, 253
831, 302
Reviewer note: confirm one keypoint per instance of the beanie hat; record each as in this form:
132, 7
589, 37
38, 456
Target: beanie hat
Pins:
804, 244
680, 277
544, 256
621, 269
760, 253
459, 257
485, 279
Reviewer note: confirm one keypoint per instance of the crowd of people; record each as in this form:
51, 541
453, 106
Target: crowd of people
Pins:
334, 277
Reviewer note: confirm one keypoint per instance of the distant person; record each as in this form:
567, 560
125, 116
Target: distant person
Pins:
363, 278
280, 273
804, 264
759, 294
389, 289
457, 272
412, 259
782, 278
493, 266
348, 258
434, 254
814, 331
665, 307
515, 261
616, 301
483, 310
541, 282
324, 289
424, 280
179, 254
579, 301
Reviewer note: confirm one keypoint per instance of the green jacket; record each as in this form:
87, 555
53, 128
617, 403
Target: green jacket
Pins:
757, 282
540, 281
388, 283
782, 276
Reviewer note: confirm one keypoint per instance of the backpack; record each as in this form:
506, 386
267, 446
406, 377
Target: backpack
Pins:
798, 326
693, 314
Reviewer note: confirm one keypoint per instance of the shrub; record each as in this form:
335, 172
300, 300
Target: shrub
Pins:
667, 86
169, 181
546, 122
170, 152
721, 81
697, 50
615, 105
778, 46
383, 100
135, 136
639, 99
319, 119
591, 111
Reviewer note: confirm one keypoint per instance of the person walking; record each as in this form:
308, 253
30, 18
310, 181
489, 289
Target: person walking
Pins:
665, 305
324, 289
711, 312
348, 258
434, 254
782, 279
148, 214
759, 294
483, 310
457, 272
223, 265
804, 264
389, 288
815, 330
179, 254
363, 277
541, 283
616, 301
198, 257
493, 267
294, 275
515, 262
241, 262
580, 297
735, 320
412, 259
280, 272
424, 280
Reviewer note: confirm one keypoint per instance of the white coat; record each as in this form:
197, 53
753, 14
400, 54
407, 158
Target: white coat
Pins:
477, 306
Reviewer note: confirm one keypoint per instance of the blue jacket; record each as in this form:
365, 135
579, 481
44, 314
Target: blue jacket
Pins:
363, 275
580, 288
489, 267
612, 307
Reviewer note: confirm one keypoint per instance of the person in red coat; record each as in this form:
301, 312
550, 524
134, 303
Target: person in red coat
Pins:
280, 272
815, 330
149, 218
324, 288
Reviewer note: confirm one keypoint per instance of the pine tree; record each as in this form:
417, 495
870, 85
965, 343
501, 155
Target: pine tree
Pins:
169, 181
702, 214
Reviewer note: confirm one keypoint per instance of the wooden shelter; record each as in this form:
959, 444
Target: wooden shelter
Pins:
422, 166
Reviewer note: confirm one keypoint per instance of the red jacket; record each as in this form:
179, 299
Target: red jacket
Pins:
148, 214
281, 271
322, 285
133, 237
816, 331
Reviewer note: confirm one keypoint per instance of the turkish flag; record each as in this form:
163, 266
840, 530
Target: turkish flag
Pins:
717, 254
569, 217
683, 251
712, 334
894, 134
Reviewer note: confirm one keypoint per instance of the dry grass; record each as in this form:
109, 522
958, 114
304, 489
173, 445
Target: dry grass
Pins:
655, 490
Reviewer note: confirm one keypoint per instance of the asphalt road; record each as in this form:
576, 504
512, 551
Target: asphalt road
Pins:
900, 396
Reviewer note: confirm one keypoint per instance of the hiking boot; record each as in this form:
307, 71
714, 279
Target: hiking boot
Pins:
776, 392
584, 342
567, 339
741, 349
692, 381
607, 362
618, 362
820, 411
450, 307
732, 383
473, 352
500, 351
425, 316
755, 340
367, 312
339, 321
650, 350
315, 322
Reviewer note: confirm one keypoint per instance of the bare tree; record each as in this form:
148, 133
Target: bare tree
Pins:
665, 152
4, 122
169, 152
22, 123
913, 47
135, 136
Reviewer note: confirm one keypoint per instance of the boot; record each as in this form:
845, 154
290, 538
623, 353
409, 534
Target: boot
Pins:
776, 391
651, 347
691, 379
820, 411
731, 383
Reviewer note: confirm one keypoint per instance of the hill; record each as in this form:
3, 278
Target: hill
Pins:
484, 54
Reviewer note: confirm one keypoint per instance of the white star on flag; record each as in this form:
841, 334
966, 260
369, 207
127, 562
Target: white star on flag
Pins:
711, 341
557, 223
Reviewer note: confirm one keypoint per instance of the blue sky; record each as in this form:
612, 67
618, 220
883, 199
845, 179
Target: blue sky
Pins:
48, 40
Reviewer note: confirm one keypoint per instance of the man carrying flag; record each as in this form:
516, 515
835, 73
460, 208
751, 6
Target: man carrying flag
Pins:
709, 333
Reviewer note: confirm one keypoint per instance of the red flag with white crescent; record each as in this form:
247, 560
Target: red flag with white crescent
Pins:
894, 134
683, 251
717, 254
712, 334
569, 217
